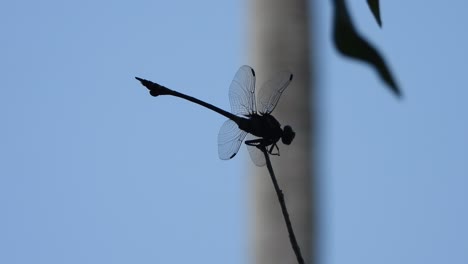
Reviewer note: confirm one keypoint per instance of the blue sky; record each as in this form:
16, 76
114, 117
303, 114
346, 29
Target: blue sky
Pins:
94, 170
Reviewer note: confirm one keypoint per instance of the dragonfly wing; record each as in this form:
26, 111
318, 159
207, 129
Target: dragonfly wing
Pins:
230, 138
256, 155
242, 92
271, 91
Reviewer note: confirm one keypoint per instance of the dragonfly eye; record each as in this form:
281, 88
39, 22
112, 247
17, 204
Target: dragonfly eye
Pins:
288, 135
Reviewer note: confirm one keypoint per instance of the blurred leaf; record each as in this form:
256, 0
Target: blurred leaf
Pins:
375, 9
349, 43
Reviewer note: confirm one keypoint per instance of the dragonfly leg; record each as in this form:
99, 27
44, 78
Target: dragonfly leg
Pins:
273, 146
254, 142
259, 143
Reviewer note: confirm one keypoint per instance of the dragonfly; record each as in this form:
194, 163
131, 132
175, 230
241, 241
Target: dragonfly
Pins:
249, 117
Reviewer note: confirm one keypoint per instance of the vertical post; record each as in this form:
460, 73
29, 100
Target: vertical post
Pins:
279, 39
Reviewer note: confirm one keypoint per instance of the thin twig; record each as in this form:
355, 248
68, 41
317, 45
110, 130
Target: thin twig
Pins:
279, 193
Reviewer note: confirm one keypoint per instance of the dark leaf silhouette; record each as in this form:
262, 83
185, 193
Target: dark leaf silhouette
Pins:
375, 9
349, 43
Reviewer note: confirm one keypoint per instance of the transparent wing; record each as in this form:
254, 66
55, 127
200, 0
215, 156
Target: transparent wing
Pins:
242, 92
256, 155
230, 138
271, 91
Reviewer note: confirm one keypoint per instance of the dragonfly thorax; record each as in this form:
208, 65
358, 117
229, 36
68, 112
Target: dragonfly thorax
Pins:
265, 126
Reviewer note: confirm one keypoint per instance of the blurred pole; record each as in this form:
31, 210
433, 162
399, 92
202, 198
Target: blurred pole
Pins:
279, 39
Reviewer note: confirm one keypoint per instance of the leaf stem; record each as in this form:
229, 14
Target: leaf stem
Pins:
279, 193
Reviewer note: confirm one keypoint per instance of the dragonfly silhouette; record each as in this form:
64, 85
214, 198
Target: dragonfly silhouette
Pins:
248, 117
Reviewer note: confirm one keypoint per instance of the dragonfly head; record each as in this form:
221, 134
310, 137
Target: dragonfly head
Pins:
288, 135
